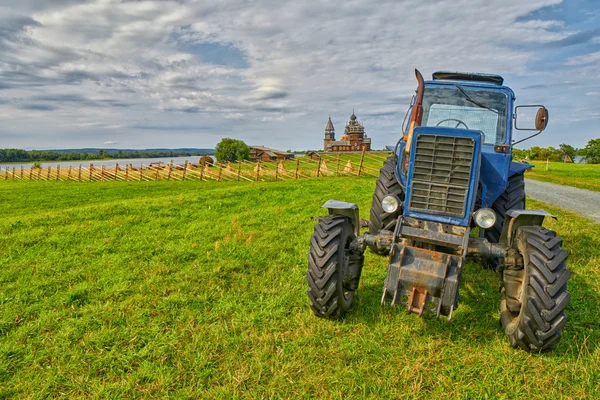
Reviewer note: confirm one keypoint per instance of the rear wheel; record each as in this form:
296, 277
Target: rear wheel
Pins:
333, 268
386, 184
535, 293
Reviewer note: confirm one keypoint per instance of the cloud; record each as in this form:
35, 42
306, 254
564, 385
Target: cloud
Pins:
590, 58
110, 142
263, 71
37, 107
576, 39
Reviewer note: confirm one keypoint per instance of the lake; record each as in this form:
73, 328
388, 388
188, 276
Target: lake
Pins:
107, 163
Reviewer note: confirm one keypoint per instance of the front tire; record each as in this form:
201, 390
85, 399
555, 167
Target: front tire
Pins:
534, 297
513, 198
386, 184
333, 268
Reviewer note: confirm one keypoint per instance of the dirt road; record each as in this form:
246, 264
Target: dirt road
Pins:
584, 202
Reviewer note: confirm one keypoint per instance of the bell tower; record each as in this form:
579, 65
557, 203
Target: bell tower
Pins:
329, 134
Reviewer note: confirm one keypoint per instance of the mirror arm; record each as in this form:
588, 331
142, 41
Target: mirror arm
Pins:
527, 138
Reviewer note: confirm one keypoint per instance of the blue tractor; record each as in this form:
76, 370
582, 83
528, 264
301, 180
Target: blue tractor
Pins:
451, 172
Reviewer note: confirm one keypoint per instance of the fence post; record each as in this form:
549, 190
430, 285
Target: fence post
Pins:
69, 176
319, 168
297, 165
91, 166
239, 169
39, 173
156, 178
102, 172
169, 176
58, 172
30, 172
257, 170
79, 174
13, 173
202, 171
127, 172
276, 172
48, 176
361, 162
141, 172
6, 174
337, 170
21, 172
185, 170
116, 170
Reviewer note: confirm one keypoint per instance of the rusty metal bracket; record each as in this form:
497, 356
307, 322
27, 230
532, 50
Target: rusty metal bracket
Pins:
416, 300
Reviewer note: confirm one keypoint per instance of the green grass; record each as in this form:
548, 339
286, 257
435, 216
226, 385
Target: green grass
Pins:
583, 176
197, 290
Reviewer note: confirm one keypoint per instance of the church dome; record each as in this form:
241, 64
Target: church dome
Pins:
329, 126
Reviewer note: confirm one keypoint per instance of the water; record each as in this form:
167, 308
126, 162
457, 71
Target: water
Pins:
107, 163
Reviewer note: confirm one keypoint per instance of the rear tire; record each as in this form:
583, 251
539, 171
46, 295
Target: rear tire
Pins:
386, 184
330, 265
534, 298
513, 198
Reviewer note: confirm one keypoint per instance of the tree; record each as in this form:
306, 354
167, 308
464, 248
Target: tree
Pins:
567, 150
519, 154
591, 151
534, 152
232, 150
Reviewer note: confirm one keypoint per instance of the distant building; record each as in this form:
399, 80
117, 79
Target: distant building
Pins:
313, 155
354, 138
267, 154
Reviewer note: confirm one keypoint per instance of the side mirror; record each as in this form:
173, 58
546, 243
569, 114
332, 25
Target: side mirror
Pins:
540, 120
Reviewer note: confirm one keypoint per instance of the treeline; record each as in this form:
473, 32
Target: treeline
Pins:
18, 155
590, 153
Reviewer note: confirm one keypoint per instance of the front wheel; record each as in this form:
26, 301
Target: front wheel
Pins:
333, 267
535, 293
386, 184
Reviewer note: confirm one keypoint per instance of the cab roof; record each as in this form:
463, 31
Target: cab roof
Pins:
468, 76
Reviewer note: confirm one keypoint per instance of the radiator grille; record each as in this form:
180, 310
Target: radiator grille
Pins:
441, 174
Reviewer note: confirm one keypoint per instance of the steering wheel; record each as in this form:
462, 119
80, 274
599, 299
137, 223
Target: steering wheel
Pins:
459, 122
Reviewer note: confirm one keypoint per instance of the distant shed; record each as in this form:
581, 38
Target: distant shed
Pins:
267, 154
313, 155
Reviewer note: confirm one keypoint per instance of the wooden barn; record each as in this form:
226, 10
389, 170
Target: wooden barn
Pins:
267, 154
313, 155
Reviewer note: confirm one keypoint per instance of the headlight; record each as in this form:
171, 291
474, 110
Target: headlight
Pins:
390, 203
485, 218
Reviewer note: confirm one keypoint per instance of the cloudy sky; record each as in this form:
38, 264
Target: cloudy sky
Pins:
139, 74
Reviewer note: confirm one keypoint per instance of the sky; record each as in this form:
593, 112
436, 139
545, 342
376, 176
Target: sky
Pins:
185, 73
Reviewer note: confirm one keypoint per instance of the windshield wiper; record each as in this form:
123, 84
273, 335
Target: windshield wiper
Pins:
469, 98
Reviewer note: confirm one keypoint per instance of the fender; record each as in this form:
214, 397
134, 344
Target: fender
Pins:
347, 209
517, 167
514, 219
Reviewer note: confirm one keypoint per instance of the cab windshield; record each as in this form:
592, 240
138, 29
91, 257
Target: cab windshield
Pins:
478, 110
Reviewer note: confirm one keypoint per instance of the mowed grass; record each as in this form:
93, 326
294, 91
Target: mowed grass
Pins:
583, 176
197, 290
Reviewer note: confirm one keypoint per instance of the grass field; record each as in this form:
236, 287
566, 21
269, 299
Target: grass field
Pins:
197, 290
583, 176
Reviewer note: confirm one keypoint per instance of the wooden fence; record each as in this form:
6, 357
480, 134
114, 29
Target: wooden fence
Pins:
341, 164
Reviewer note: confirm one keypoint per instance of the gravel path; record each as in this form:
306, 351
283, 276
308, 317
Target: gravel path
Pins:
582, 201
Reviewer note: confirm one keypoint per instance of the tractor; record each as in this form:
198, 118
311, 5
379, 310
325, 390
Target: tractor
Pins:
448, 192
